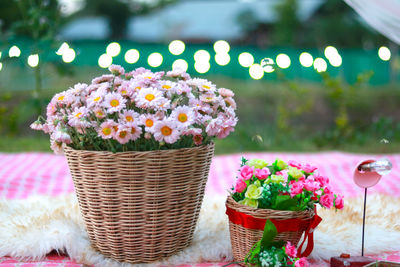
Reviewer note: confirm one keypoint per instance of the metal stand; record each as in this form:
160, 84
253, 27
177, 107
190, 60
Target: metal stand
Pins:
363, 227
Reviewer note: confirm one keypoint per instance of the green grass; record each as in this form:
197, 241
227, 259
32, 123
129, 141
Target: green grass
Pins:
24, 144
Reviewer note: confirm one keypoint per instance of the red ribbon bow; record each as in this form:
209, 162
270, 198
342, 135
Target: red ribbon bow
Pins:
288, 225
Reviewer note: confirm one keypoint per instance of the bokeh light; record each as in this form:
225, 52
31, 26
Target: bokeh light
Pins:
384, 53
222, 59
268, 64
63, 47
320, 64
246, 59
0, 54
132, 56
14, 51
336, 60
68, 55
202, 66
105, 60
306, 59
33, 60
1, 66
113, 49
155, 60
180, 64
330, 52
256, 71
221, 46
176, 47
283, 61
202, 55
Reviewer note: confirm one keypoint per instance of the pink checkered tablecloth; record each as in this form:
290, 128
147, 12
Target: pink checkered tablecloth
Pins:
27, 174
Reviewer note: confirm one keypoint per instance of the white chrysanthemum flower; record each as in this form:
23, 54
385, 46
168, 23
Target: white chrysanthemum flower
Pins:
107, 129
167, 131
203, 85
75, 119
129, 116
148, 98
96, 97
183, 115
123, 135
148, 120
114, 102
135, 130
56, 147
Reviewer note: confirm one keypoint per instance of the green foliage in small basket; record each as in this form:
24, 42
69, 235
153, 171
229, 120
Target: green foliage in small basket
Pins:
283, 186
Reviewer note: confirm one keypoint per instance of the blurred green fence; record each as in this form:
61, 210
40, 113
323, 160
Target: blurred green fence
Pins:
354, 61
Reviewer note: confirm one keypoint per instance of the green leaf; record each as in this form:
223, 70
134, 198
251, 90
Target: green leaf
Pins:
269, 234
285, 202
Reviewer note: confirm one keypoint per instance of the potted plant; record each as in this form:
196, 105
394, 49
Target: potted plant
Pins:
284, 194
139, 147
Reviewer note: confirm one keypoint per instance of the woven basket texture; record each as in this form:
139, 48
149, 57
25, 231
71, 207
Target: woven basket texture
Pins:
243, 239
139, 207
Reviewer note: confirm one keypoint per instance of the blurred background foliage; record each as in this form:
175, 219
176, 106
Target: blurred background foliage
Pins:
354, 107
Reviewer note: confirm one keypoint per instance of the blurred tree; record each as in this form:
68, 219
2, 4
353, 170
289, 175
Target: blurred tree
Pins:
118, 12
36, 20
336, 23
287, 24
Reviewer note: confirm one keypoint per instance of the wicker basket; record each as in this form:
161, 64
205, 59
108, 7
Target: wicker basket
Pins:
140, 206
243, 239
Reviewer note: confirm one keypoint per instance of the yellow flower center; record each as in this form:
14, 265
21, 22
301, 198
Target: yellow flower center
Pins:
148, 77
138, 88
122, 134
182, 117
149, 97
106, 131
129, 118
166, 86
61, 98
166, 131
97, 99
149, 123
206, 87
124, 92
100, 113
114, 103
78, 115
133, 130
115, 128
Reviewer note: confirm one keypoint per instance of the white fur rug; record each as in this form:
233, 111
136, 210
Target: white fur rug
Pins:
33, 227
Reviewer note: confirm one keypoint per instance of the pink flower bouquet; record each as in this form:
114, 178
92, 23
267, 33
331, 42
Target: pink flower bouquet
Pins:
283, 186
139, 111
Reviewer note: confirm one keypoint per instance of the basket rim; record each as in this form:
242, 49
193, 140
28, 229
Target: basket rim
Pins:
104, 152
263, 213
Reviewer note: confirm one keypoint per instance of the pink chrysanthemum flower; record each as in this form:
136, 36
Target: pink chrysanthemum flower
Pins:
183, 115
36, 125
167, 86
114, 102
103, 78
96, 97
148, 98
56, 147
77, 116
198, 139
167, 131
129, 116
61, 137
164, 104
107, 129
149, 120
203, 85
116, 69
149, 77
209, 98
226, 92
99, 113
230, 102
125, 90
214, 127
178, 73
123, 135
135, 130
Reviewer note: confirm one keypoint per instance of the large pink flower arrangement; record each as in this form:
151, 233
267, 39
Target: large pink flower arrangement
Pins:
139, 110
